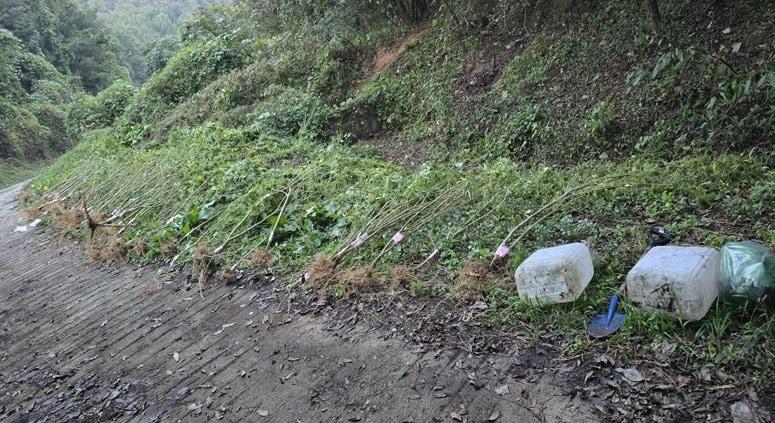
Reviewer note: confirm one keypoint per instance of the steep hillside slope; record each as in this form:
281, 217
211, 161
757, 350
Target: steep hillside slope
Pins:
374, 149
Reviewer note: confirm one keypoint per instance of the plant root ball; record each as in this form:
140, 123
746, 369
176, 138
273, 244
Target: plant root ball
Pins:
261, 258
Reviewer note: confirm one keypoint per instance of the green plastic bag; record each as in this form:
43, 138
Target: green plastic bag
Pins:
747, 270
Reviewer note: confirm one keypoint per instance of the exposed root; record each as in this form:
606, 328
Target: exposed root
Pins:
200, 259
169, 249
477, 277
93, 250
356, 279
140, 247
227, 276
261, 258
115, 249
401, 275
321, 271
201, 265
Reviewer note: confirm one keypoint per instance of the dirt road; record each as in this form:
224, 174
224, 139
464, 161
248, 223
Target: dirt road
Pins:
87, 342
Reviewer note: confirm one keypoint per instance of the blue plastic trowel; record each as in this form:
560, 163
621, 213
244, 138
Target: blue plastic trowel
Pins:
606, 324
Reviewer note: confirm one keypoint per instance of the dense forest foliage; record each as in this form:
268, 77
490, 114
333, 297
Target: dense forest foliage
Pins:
291, 130
50, 51
146, 30
60, 59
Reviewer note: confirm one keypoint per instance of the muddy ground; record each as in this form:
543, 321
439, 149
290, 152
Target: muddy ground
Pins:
87, 342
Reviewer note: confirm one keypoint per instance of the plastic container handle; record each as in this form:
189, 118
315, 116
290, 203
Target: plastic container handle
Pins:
612, 308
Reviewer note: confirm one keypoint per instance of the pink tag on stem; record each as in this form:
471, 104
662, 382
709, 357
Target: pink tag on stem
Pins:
398, 237
357, 242
502, 251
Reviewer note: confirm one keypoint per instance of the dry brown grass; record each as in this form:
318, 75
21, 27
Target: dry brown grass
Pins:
107, 248
54, 208
356, 276
477, 277
261, 258
97, 216
32, 212
115, 249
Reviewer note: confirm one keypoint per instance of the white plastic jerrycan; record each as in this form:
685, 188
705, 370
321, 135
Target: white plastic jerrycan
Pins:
680, 282
555, 275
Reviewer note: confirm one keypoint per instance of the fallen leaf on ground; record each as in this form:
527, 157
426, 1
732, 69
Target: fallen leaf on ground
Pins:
741, 413
479, 305
633, 375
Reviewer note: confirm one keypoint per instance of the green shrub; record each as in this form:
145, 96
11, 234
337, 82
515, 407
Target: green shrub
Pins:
293, 112
517, 133
190, 70
111, 103
100, 111
337, 67
600, 122
10, 78
51, 91
21, 132
33, 68
57, 140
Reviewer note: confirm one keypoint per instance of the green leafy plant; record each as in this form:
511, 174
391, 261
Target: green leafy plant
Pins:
601, 121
